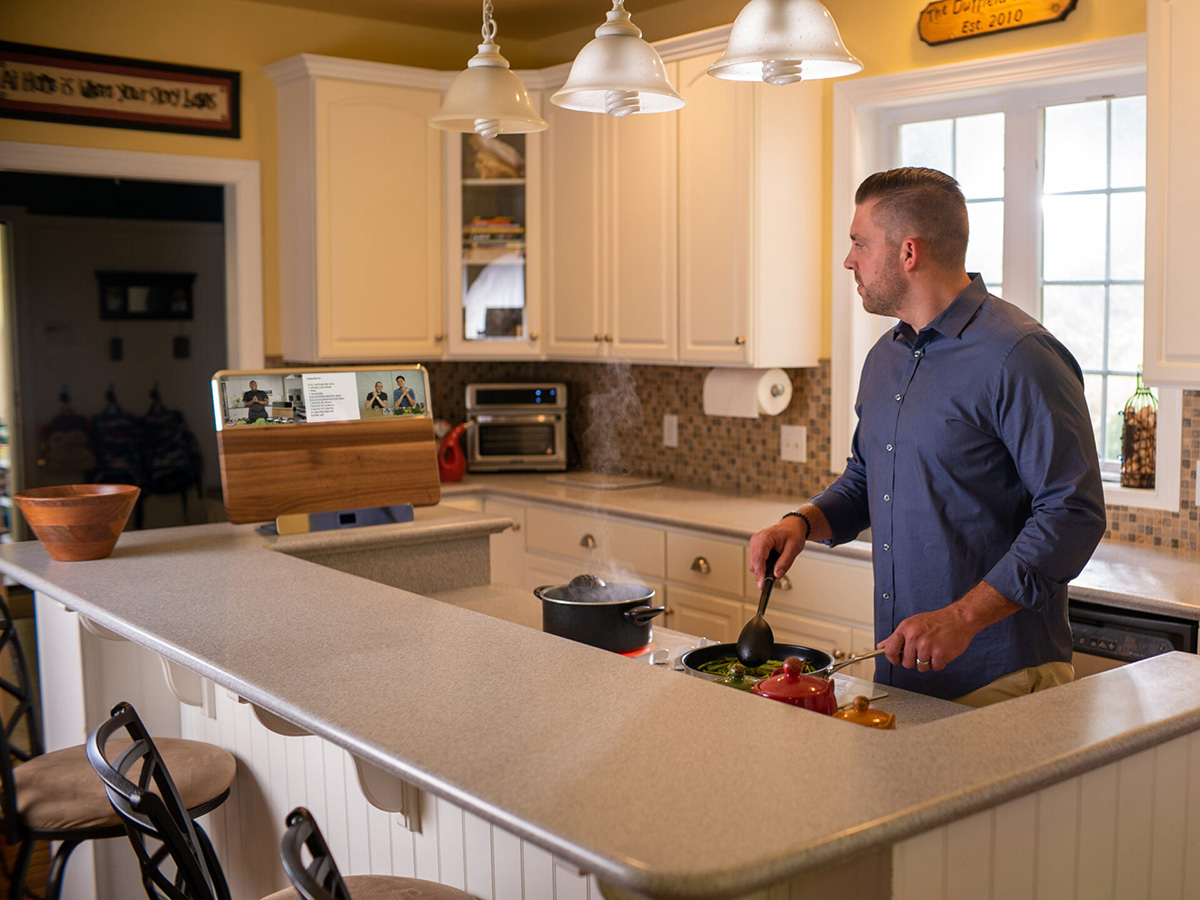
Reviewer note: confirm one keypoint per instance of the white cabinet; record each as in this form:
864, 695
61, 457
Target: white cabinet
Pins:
703, 614
360, 211
1172, 316
508, 547
493, 245
751, 180
611, 237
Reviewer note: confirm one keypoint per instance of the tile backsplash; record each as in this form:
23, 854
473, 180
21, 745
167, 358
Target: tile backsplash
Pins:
615, 417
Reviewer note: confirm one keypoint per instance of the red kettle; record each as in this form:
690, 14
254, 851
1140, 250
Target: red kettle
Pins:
452, 465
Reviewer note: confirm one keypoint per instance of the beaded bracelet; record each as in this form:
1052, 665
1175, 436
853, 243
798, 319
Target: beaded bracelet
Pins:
803, 518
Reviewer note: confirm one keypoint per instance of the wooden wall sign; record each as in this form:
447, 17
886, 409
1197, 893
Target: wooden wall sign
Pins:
88, 89
955, 20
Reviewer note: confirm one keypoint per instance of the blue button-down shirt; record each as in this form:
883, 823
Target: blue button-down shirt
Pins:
974, 458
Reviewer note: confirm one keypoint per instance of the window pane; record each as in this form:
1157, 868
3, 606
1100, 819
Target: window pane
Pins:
1076, 147
928, 144
1128, 261
979, 155
1093, 389
1075, 315
1129, 142
1120, 389
1074, 241
1125, 327
985, 251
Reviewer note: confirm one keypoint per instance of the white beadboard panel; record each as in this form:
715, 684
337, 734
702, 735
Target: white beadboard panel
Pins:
1057, 840
425, 842
969, 861
379, 825
1135, 808
919, 867
1169, 827
1191, 789
569, 882
537, 872
335, 826
866, 878
509, 866
479, 853
1097, 833
1014, 849
452, 869
358, 861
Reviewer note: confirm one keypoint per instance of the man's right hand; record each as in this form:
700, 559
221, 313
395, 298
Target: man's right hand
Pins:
788, 536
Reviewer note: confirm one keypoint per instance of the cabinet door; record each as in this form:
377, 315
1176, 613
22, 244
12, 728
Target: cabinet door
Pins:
574, 236
642, 177
508, 547
790, 628
378, 222
703, 615
715, 193
1172, 317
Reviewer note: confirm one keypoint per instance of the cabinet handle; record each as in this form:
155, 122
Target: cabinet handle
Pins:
588, 541
838, 653
783, 583
597, 338
517, 527
739, 340
533, 336
438, 338
608, 338
700, 564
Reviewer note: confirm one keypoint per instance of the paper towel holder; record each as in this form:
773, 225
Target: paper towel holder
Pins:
746, 393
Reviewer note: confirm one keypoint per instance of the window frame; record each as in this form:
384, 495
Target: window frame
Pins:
866, 114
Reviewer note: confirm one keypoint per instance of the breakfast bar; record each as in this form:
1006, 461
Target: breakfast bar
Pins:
617, 769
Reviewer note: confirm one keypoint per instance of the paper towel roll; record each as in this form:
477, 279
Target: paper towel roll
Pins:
746, 392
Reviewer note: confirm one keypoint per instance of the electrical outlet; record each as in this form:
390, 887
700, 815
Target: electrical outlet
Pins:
670, 430
793, 443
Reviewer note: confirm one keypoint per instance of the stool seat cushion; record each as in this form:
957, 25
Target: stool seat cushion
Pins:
59, 790
387, 887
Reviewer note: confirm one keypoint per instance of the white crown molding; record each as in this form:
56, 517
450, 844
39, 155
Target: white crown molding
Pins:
311, 65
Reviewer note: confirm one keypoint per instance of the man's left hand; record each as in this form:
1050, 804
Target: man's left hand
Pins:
930, 641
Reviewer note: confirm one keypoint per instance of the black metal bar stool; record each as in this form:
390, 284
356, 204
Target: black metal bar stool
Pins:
56, 796
175, 854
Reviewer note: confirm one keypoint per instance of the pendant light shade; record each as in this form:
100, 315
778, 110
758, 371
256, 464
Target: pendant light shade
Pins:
784, 41
487, 97
618, 73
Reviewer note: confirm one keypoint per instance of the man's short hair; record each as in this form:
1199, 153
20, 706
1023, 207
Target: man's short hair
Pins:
400, 378
922, 203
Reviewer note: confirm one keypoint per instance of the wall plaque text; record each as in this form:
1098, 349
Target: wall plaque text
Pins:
954, 20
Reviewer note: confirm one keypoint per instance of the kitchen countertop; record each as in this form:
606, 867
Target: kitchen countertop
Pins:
1148, 579
537, 734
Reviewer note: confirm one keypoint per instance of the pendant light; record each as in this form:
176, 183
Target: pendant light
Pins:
487, 97
618, 73
784, 41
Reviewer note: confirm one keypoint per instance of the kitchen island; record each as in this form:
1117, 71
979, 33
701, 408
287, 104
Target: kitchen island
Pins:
621, 769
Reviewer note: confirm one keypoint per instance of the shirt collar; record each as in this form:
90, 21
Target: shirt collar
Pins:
954, 318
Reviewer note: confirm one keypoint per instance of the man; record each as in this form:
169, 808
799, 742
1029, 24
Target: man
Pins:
403, 397
256, 400
973, 464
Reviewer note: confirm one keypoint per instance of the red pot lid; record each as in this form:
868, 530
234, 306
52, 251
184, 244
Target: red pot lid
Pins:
791, 685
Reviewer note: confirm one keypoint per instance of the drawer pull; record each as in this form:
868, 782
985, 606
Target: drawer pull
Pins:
517, 527
838, 653
783, 583
739, 340
588, 541
700, 564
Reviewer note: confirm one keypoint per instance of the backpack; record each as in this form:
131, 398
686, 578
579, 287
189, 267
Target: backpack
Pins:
172, 461
117, 440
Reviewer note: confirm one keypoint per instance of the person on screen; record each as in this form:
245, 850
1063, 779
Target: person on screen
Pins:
377, 399
256, 401
403, 397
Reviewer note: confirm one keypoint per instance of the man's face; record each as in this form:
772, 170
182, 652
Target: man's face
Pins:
875, 264
399, 382
253, 385
378, 386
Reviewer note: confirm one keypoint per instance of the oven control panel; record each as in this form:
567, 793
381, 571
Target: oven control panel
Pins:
1117, 643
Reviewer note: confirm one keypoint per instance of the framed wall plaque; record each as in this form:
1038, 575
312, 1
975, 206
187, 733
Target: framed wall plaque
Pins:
146, 295
954, 20
89, 89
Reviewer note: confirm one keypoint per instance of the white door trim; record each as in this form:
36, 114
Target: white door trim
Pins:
243, 219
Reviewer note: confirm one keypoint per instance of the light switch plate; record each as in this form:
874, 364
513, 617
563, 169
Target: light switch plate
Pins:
793, 443
670, 430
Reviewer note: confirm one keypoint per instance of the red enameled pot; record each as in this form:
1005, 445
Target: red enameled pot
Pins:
791, 685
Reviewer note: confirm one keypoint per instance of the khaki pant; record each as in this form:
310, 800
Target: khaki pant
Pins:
1019, 683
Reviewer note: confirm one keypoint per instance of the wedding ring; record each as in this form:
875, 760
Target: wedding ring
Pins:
922, 662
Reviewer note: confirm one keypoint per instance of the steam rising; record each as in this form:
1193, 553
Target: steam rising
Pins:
614, 410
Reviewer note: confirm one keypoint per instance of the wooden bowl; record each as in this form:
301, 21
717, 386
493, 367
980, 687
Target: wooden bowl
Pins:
78, 521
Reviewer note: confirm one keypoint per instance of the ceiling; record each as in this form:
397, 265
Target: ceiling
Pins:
522, 19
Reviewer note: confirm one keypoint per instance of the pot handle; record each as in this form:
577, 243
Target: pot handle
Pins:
640, 615
851, 660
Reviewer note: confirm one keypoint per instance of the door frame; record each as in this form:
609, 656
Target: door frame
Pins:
241, 181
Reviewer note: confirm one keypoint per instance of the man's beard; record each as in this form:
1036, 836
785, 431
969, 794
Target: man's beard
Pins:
883, 298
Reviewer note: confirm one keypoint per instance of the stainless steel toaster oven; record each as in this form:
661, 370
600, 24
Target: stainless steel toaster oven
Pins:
517, 427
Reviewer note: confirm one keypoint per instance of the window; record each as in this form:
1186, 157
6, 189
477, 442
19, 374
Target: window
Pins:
1049, 148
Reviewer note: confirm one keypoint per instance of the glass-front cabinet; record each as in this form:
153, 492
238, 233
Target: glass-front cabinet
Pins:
492, 278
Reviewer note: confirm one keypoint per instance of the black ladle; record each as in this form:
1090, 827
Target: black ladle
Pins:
755, 643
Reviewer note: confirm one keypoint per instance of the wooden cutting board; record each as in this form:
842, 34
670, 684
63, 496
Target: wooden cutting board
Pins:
271, 470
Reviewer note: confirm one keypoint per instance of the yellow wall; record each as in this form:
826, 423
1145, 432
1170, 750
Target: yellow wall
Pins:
244, 35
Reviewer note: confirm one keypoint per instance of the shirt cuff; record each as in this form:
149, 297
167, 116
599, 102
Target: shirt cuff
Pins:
842, 515
1018, 582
